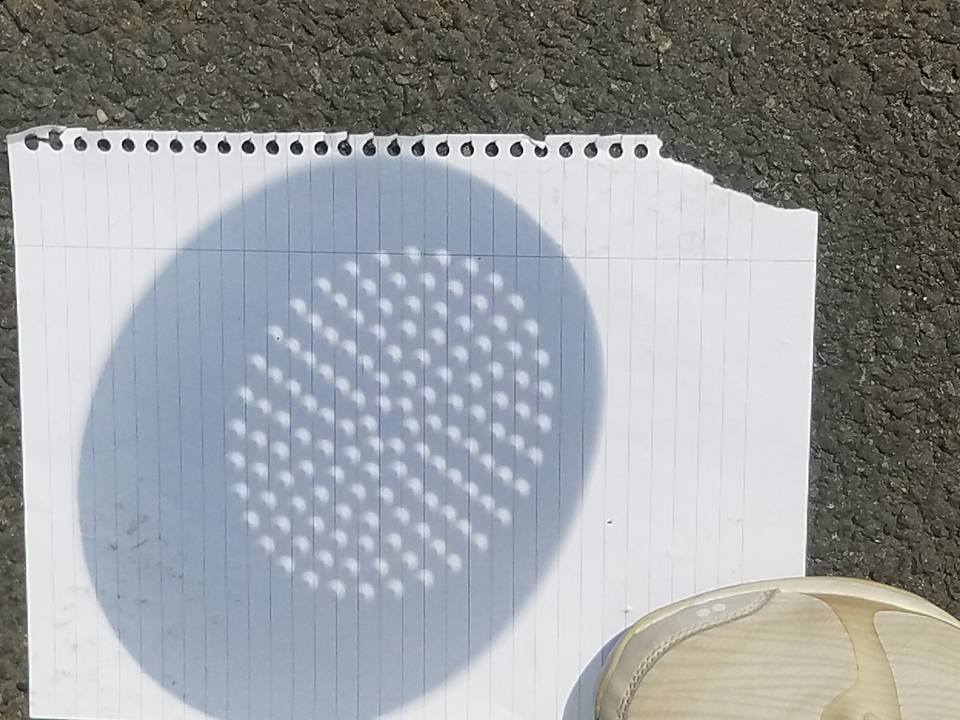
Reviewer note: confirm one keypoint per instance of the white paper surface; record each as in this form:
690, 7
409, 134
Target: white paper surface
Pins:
405, 435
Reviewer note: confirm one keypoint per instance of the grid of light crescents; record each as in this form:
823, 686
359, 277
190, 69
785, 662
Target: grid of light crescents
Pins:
388, 431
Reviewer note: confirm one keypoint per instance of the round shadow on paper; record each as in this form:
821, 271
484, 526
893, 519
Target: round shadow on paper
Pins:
325, 467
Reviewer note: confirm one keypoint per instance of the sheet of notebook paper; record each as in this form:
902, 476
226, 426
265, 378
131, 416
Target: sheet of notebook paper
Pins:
344, 426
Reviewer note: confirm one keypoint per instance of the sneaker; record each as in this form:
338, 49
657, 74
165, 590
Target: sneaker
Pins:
800, 649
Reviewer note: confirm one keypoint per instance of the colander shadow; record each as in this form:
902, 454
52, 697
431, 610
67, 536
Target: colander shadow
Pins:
338, 441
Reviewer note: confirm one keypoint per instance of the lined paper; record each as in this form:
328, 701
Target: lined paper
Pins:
355, 426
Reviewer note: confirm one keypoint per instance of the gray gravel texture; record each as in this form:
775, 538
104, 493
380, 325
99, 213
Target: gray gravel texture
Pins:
851, 108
